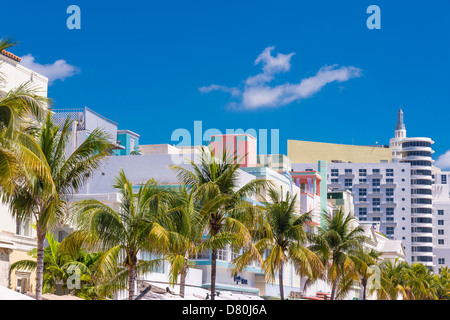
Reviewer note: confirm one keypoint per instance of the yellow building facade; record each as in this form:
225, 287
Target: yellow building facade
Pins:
311, 152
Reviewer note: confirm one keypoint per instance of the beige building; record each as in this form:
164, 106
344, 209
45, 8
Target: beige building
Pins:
311, 152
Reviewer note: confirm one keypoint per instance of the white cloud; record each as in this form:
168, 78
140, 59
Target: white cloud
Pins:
58, 70
215, 87
257, 93
443, 162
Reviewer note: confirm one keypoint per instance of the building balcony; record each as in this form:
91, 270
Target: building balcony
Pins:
389, 185
423, 177
375, 175
389, 223
362, 203
375, 195
421, 205
426, 149
361, 185
347, 175
423, 196
389, 204
422, 224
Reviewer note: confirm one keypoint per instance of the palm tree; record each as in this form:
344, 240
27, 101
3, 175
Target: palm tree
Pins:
226, 213
365, 260
420, 280
21, 111
393, 285
47, 203
336, 244
286, 239
184, 230
122, 234
441, 284
61, 262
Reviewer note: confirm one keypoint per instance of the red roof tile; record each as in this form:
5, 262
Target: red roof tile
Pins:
10, 55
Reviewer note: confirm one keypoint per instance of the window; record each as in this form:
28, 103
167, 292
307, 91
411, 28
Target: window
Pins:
362, 180
440, 212
389, 230
443, 179
390, 200
376, 190
132, 144
376, 219
440, 222
348, 171
363, 219
389, 172
334, 180
376, 209
362, 211
389, 192
389, 211
441, 241
222, 254
389, 218
348, 182
441, 261
23, 228
362, 199
334, 172
376, 182
362, 172
441, 232
375, 171
22, 281
62, 235
376, 201
362, 192
390, 181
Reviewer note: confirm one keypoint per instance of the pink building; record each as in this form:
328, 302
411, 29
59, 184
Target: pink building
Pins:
244, 145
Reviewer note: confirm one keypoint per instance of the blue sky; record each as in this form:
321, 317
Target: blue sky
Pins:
143, 64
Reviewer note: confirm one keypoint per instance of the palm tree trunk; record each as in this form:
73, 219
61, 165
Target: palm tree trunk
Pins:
333, 289
213, 273
183, 281
364, 285
280, 279
131, 280
39, 261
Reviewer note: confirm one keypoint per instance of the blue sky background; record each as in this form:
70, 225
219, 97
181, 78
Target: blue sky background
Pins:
142, 64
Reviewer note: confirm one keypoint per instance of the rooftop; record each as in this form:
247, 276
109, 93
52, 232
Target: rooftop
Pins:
10, 55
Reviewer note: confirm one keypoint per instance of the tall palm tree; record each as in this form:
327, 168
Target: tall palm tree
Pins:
185, 234
122, 234
365, 260
286, 239
226, 213
48, 206
21, 110
336, 243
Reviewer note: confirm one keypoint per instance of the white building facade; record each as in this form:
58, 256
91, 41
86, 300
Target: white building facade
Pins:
16, 238
381, 193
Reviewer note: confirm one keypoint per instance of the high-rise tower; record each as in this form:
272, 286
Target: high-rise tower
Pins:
417, 152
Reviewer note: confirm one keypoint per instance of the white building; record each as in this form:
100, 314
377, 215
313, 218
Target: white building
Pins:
441, 219
381, 193
16, 239
417, 152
